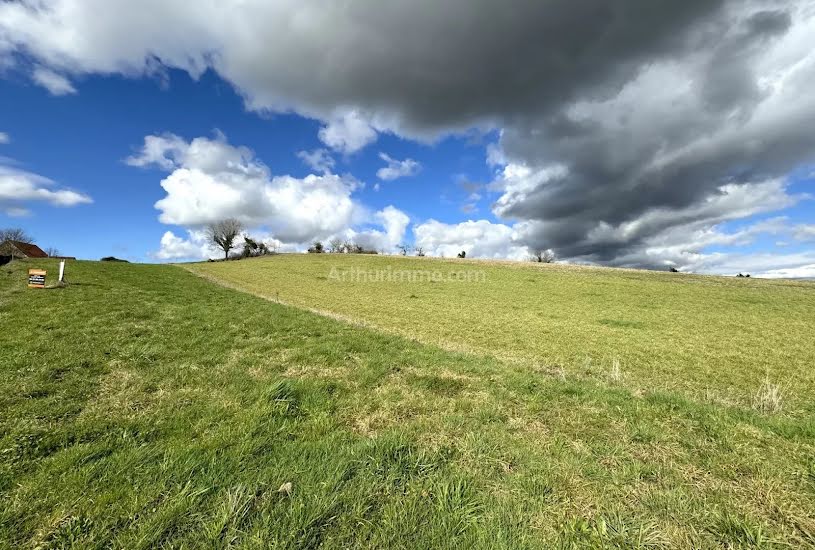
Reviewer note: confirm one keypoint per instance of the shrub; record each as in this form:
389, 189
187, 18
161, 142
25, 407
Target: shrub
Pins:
253, 248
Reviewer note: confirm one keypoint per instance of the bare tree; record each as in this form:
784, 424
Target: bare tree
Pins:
403, 249
543, 256
420, 251
224, 233
335, 246
52, 252
15, 234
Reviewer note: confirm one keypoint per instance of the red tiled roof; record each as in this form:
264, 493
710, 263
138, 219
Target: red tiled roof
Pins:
29, 249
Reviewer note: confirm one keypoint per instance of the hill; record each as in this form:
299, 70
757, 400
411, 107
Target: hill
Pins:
144, 406
712, 338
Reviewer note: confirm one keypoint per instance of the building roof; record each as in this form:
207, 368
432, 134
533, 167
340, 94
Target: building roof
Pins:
29, 249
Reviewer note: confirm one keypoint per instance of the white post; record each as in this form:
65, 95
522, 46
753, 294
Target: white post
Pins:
61, 270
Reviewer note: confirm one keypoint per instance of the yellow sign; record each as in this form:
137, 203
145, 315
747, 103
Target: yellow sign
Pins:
36, 278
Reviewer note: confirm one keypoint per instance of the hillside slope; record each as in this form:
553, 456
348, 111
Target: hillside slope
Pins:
711, 338
143, 406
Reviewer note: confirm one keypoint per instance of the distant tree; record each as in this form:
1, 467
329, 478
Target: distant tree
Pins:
420, 251
336, 246
462, 254
15, 234
52, 251
253, 247
543, 256
317, 248
224, 233
112, 259
404, 249
674, 270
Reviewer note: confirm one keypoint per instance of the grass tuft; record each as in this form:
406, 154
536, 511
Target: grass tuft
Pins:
615, 373
769, 398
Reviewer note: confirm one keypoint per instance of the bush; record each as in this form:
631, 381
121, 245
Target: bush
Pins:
253, 248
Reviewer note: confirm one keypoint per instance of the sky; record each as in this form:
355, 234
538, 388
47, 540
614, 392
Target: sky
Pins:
640, 133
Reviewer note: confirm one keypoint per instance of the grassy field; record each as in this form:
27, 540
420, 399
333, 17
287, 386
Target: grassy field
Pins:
143, 406
710, 338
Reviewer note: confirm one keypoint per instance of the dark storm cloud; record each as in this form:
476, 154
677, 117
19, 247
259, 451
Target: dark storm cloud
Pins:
429, 65
442, 64
666, 145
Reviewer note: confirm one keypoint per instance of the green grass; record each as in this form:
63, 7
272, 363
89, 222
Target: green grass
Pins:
710, 338
143, 406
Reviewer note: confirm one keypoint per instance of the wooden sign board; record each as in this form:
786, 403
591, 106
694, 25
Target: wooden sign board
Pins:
36, 278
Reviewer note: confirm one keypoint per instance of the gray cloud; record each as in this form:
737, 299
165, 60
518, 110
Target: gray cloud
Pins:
425, 67
624, 125
689, 143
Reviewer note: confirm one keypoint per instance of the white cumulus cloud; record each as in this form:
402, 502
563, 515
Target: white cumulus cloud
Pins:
394, 224
479, 239
397, 168
347, 132
210, 179
173, 247
319, 160
18, 187
54, 82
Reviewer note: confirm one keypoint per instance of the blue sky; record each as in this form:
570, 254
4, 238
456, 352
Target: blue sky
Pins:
81, 141
683, 140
